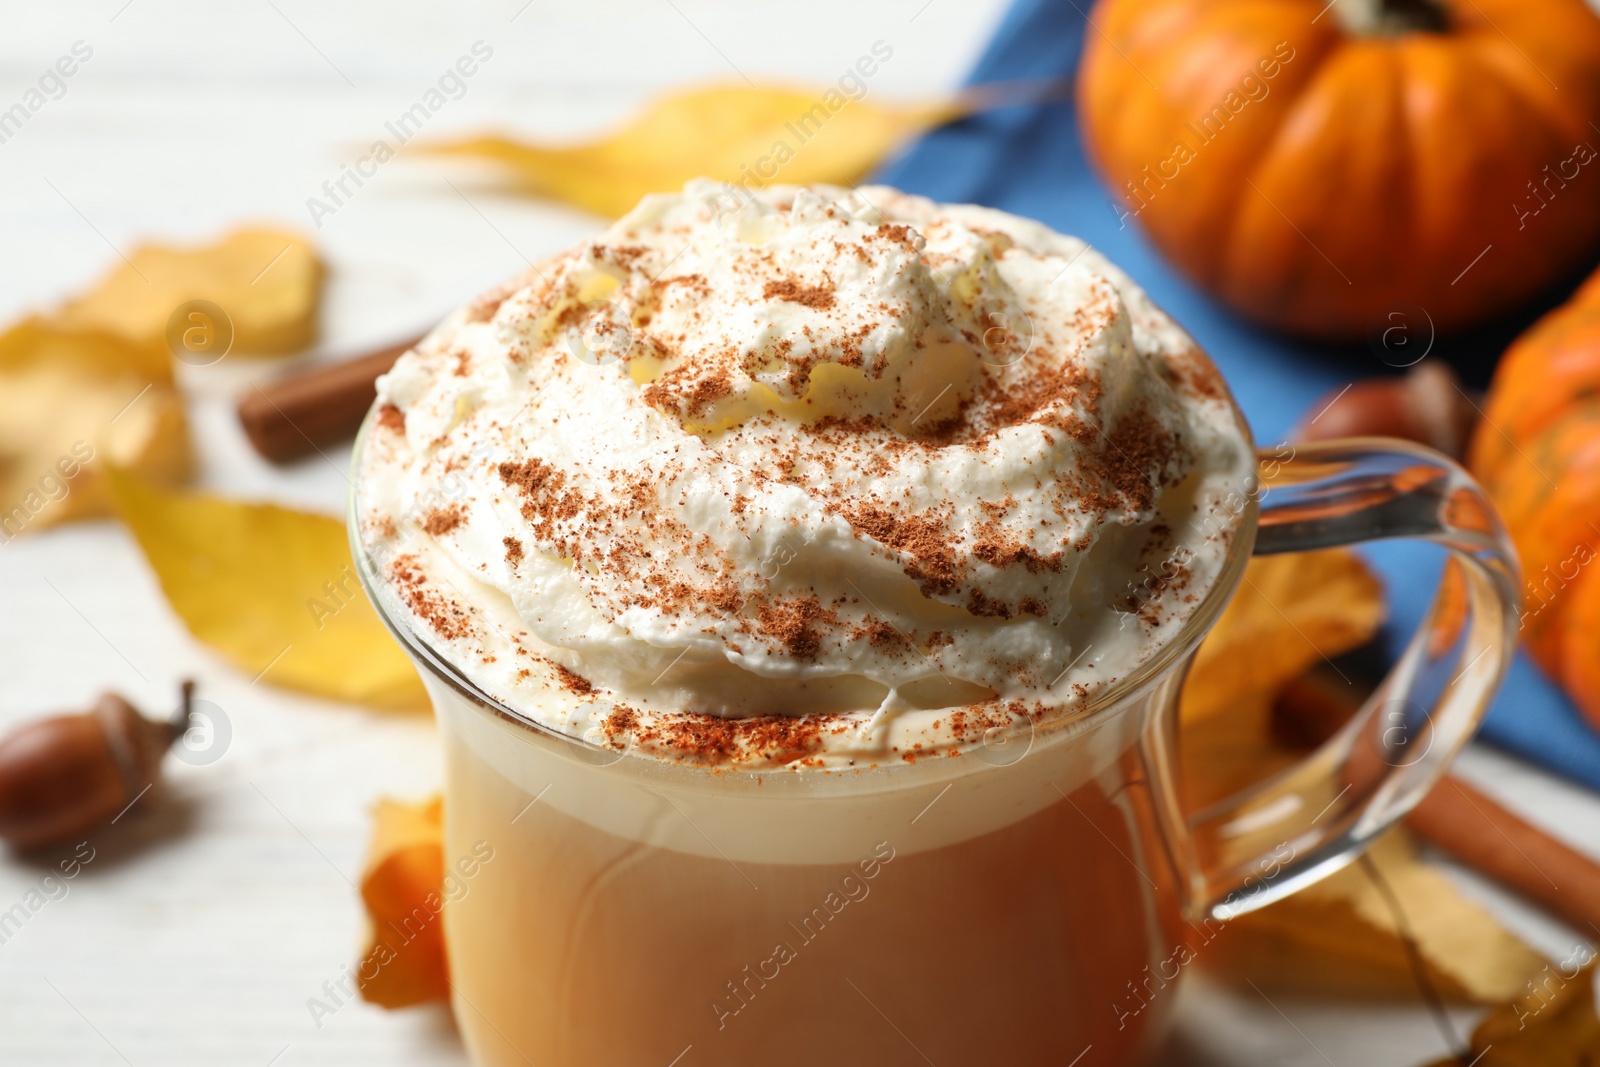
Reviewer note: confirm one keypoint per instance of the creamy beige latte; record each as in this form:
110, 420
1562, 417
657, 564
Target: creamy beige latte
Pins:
768, 558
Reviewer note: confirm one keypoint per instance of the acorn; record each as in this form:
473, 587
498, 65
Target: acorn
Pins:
1428, 406
64, 775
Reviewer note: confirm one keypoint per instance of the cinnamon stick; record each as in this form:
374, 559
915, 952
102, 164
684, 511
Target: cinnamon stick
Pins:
1479, 832
307, 411
1463, 821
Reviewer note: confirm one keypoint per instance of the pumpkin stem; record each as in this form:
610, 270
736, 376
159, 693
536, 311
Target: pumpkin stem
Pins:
1391, 18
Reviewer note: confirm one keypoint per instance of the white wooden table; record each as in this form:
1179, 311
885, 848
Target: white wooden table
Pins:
209, 918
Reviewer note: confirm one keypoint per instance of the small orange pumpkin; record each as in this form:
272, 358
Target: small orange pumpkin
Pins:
1319, 164
1537, 452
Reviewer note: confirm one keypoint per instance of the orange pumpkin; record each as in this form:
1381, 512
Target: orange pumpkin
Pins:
1319, 165
1537, 451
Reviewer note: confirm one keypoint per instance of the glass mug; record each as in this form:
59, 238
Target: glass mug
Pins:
1031, 901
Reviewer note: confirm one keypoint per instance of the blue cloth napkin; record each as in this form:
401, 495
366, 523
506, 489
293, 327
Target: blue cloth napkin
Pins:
1029, 160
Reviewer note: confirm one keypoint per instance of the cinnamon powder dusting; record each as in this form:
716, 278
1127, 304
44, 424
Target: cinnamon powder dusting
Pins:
441, 521
546, 499
792, 622
570, 680
796, 292
440, 611
922, 537
877, 632
712, 739
1139, 449
898, 232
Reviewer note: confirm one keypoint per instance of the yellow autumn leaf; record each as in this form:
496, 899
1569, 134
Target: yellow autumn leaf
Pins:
1551, 1023
90, 384
272, 589
50, 342
267, 281
732, 132
71, 402
1226, 754
1341, 936
402, 888
1304, 607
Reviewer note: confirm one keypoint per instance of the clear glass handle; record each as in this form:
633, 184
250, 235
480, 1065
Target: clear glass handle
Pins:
1258, 846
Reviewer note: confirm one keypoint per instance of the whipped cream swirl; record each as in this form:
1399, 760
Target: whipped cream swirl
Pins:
787, 483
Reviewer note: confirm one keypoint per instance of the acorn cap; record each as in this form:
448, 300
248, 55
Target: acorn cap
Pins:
137, 743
